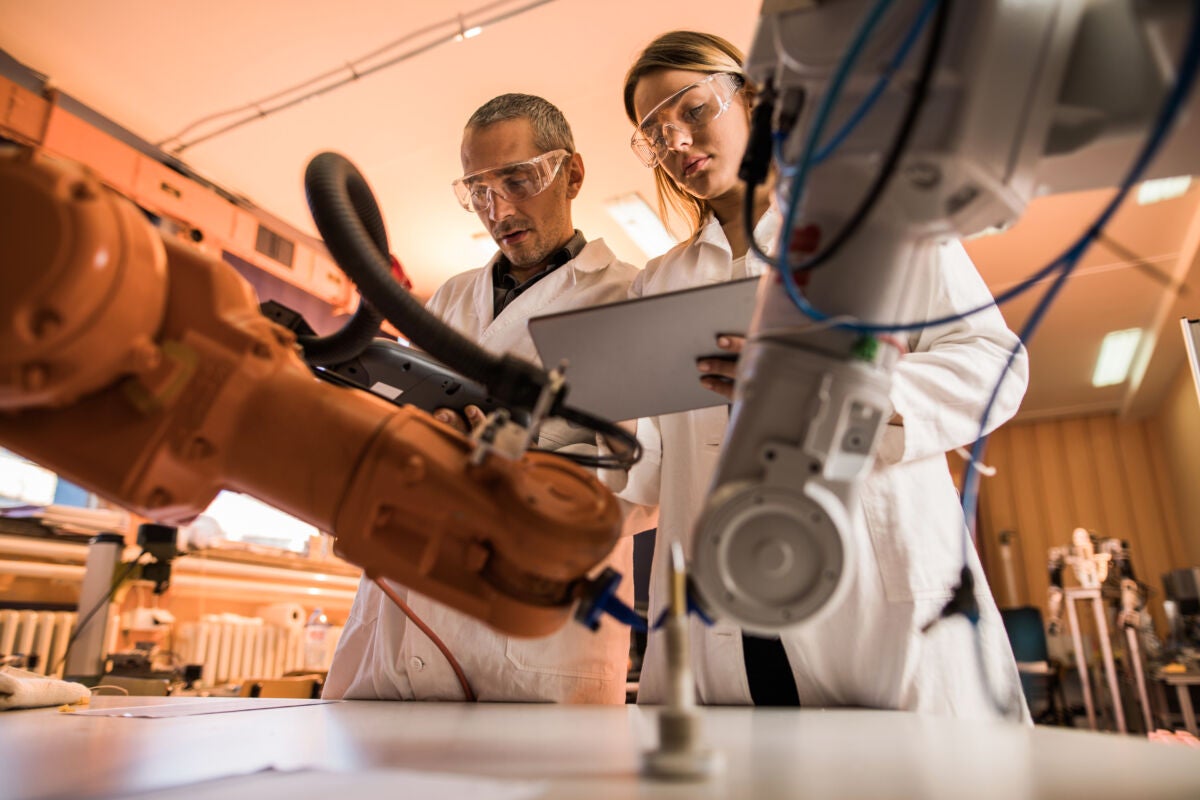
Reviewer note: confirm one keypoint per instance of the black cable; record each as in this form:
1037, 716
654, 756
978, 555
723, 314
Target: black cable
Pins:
895, 152
335, 188
343, 207
116, 584
345, 344
891, 161
349, 342
629, 455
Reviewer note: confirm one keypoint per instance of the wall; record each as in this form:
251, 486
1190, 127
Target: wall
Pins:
1179, 421
1098, 472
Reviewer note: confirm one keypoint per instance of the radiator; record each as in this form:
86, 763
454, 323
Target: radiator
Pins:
38, 637
231, 649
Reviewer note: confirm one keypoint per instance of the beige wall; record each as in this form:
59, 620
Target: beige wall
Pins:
1179, 424
1098, 472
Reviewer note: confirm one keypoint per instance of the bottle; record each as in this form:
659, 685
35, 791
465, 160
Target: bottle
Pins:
316, 634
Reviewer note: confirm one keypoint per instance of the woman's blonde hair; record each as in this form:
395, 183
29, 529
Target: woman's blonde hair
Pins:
696, 52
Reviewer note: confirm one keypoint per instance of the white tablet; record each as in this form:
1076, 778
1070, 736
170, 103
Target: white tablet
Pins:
637, 358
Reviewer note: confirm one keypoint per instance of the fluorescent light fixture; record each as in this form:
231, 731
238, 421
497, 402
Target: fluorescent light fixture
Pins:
1160, 189
637, 218
1116, 356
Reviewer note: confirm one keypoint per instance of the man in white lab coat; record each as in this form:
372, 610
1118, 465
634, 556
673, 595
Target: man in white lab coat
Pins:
521, 173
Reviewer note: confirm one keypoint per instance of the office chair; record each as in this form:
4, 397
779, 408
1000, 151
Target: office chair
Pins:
303, 687
1041, 676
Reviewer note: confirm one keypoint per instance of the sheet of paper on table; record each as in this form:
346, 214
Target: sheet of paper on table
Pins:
201, 705
373, 784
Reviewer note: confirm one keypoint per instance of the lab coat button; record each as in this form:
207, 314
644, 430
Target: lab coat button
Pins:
417, 663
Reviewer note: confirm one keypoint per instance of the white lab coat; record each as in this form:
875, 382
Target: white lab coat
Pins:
869, 651
382, 656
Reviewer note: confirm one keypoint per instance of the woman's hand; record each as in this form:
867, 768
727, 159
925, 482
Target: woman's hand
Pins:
718, 373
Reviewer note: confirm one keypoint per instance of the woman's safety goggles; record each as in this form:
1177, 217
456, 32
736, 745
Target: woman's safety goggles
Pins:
686, 111
512, 183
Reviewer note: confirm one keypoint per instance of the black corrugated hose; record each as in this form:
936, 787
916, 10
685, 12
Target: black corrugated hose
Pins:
345, 344
336, 191
362, 328
343, 207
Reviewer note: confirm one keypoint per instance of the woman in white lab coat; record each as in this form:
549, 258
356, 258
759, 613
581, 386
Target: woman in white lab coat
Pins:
869, 651
381, 656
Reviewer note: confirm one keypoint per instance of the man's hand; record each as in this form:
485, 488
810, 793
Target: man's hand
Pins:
718, 373
474, 416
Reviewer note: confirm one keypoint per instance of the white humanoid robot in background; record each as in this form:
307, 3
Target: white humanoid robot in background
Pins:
1089, 564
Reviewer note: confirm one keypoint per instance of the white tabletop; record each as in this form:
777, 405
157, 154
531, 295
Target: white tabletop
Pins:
581, 752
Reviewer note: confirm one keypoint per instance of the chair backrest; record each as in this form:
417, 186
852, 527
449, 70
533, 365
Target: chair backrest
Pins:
1026, 633
303, 687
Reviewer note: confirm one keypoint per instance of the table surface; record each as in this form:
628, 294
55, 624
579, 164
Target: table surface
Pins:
580, 752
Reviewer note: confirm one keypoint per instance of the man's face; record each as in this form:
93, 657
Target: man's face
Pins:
529, 231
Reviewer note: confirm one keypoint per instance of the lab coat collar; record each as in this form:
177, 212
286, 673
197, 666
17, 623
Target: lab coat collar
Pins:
594, 257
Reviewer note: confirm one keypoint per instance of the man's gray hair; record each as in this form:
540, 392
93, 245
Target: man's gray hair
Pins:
550, 128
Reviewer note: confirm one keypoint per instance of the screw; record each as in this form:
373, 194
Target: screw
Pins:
923, 175
158, 498
34, 377
46, 322
82, 191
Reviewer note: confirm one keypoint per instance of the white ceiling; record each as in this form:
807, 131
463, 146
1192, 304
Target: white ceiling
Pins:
155, 67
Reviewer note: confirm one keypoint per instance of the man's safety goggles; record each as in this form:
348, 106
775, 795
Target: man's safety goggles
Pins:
686, 111
512, 183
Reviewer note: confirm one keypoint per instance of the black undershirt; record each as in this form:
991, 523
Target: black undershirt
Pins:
505, 288
768, 672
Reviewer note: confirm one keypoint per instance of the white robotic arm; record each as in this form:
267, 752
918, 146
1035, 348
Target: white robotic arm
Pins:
1007, 85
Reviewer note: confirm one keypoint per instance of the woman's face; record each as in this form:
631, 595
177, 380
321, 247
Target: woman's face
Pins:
704, 161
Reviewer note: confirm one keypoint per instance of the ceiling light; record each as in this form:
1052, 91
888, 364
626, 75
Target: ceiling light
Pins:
465, 32
638, 220
1156, 191
1116, 355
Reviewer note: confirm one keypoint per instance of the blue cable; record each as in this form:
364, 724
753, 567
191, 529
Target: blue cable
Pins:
868, 102
820, 119
864, 108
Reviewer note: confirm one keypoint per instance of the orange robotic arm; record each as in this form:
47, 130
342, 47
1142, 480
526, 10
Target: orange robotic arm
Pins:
142, 369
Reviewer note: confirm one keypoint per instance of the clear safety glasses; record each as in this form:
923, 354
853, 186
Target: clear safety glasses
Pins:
512, 183
686, 111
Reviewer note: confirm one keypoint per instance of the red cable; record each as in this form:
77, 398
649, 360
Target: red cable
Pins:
433, 637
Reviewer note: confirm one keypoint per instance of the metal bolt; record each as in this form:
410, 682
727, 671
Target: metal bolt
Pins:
82, 191
198, 448
46, 322
144, 356
159, 498
924, 175
961, 199
34, 377
413, 470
